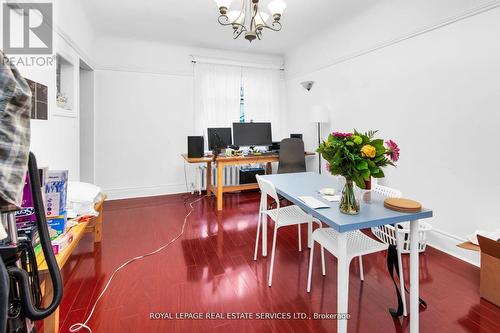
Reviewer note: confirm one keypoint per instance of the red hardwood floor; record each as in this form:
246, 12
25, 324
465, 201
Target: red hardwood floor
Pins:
211, 269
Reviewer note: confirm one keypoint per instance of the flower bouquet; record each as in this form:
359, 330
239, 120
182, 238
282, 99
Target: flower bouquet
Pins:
357, 157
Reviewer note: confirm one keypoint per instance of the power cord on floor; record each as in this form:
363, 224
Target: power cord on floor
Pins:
78, 326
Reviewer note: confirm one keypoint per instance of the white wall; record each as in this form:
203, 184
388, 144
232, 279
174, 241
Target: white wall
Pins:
436, 94
144, 113
87, 127
56, 141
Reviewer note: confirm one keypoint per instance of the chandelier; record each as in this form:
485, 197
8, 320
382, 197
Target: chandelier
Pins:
250, 20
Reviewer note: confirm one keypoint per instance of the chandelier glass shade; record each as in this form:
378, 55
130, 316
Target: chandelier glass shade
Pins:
250, 21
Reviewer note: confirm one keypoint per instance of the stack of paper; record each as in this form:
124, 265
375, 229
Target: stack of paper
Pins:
313, 202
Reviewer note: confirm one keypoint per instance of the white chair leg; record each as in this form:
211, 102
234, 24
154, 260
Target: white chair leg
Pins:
258, 234
300, 239
272, 254
400, 272
361, 272
323, 269
309, 275
310, 241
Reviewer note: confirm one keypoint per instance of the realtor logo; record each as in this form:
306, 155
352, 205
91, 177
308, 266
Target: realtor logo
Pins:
27, 28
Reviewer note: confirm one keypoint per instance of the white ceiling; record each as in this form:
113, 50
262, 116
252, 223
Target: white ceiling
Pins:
194, 22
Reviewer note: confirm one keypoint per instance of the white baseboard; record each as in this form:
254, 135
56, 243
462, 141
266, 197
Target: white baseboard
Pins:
143, 191
447, 243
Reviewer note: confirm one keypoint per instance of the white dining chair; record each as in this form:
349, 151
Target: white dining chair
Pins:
282, 216
358, 244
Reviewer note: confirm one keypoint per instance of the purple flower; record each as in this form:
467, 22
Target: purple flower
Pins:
327, 166
341, 135
392, 150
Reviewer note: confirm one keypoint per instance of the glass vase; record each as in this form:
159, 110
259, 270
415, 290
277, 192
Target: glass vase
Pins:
349, 203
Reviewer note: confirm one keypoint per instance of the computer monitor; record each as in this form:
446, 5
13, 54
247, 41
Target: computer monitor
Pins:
219, 137
252, 134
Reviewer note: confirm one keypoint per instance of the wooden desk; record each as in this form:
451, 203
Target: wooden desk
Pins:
223, 161
51, 323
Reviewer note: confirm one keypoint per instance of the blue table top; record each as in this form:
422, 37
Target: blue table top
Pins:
372, 214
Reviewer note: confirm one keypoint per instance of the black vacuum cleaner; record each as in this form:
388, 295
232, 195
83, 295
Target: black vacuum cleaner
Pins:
20, 294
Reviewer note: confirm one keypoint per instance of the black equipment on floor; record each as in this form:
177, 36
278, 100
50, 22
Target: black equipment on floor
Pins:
19, 259
247, 176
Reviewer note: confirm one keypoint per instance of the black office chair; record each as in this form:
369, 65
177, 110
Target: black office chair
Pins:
292, 159
292, 156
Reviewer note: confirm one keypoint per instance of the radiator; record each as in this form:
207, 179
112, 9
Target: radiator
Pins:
230, 176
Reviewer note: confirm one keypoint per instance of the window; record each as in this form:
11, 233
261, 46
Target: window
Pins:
242, 103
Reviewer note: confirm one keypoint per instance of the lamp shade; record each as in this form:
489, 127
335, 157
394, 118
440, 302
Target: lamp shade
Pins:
319, 114
223, 3
235, 16
261, 18
277, 7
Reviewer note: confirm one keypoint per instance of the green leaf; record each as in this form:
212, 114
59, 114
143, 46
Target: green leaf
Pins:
358, 179
366, 174
357, 139
362, 165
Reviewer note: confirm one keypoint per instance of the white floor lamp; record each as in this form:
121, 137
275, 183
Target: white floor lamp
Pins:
319, 115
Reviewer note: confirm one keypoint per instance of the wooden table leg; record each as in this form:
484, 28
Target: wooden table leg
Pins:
51, 323
209, 179
269, 168
98, 227
220, 184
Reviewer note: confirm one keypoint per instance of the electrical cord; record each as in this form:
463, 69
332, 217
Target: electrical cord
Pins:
78, 326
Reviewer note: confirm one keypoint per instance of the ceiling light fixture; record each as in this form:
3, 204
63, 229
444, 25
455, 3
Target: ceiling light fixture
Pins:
250, 20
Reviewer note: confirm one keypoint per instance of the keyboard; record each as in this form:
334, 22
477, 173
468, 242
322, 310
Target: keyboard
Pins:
266, 153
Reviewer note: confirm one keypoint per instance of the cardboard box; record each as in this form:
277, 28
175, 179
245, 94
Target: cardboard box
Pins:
55, 200
489, 287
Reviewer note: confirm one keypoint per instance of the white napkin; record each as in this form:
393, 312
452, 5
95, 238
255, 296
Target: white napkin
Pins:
313, 202
332, 198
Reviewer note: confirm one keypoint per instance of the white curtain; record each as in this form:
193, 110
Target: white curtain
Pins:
263, 98
217, 96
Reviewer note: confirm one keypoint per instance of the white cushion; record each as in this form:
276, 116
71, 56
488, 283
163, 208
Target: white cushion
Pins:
83, 192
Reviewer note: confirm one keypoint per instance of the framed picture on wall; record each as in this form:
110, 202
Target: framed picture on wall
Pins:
39, 100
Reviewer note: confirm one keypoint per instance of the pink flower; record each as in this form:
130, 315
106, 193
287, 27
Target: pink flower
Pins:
327, 166
341, 135
392, 150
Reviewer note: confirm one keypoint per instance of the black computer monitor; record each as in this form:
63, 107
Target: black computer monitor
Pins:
219, 137
252, 134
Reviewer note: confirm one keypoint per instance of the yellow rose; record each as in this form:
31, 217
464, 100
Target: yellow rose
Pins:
368, 151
